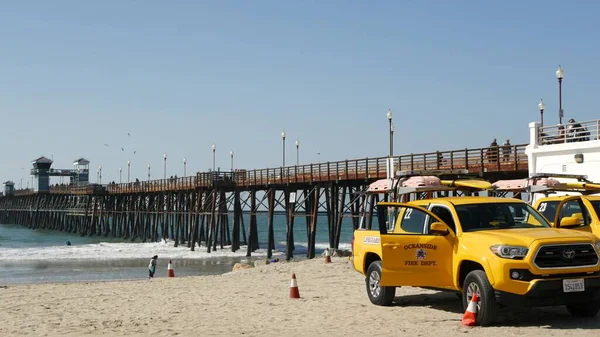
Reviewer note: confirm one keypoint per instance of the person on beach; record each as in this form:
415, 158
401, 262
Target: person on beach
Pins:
152, 266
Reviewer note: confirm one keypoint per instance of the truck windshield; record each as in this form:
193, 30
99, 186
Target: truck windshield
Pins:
490, 216
596, 204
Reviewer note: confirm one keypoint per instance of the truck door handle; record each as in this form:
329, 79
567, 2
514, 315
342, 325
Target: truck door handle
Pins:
391, 245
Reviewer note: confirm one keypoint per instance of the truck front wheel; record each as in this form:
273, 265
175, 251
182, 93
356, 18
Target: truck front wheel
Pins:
377, 294
487, 308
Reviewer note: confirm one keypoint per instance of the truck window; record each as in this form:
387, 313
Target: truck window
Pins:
413, 220
574, 208
548, 209
444, 214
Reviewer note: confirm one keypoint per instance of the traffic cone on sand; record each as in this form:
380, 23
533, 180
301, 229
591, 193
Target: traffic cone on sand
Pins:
327, 256
470, 316
294, 293
170, 271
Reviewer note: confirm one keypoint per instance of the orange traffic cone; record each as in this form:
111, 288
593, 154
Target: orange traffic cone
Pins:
294, 293
470, 316
170, 271
327, 256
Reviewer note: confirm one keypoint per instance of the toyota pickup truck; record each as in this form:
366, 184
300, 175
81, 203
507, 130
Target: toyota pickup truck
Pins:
576, 212
500, 248
567, 202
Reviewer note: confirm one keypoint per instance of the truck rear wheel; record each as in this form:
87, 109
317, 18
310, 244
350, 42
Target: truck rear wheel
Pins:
487, 308
590, 309
377, 294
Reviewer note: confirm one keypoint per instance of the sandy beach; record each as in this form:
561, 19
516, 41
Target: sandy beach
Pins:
255, 302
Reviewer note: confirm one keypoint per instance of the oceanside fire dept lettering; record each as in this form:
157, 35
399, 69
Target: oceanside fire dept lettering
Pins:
420, 254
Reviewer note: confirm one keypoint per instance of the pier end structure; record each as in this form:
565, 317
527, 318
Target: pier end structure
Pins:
42, 171
9, 188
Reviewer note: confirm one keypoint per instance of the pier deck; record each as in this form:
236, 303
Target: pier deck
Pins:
197, 210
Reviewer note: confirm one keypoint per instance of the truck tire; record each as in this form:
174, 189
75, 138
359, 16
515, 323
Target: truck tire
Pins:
590, 309
377, 294
487, 308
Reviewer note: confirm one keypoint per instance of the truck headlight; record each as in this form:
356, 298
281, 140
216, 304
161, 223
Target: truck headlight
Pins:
510, 252
597, 245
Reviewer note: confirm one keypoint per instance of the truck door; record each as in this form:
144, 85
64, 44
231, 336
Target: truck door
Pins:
416, 259
576, 207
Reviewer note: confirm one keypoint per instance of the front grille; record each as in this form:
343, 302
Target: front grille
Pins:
566, 256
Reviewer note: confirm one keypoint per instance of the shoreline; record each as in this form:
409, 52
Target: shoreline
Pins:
31, 272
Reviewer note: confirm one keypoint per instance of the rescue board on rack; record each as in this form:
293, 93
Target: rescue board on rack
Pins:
468, 183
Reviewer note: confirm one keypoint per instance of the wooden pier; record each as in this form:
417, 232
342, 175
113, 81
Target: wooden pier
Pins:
206, 210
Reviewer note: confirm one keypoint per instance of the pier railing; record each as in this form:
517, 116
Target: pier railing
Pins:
479, 160
569, 133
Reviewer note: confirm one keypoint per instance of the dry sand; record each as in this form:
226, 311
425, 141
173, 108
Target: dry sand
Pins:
255, 302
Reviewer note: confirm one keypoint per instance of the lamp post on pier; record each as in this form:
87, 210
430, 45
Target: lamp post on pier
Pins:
165, 167
389, 117
541, 107
120, 180
231, 154
100, 173
128, 169
297, 152
184, 164
214, 148
283, 138
560, 74
148, 172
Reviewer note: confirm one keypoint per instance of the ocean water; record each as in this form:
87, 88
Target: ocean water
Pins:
37, 256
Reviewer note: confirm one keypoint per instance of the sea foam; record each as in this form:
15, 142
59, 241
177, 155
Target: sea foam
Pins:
111, 251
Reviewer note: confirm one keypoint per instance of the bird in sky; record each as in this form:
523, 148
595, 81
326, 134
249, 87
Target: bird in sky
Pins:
122, 149
105, 144
128, 134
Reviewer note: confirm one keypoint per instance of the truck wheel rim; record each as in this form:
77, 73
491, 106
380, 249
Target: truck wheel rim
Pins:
472, 289
374, 287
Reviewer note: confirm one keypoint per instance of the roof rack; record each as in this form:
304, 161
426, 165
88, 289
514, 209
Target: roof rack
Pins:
545, 183
580, 177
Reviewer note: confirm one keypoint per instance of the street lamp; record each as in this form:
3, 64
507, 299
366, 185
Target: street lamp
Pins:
389, 116
165, 168
128, 167
297, 152
120, 181
184, 163
148, 171
100, 173
283, 137
214, 148
541, 107
231, 154
560, 74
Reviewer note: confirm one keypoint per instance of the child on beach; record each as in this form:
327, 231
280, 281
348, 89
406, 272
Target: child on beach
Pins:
152, 266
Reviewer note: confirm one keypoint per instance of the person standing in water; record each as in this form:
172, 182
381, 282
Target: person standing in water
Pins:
152, 266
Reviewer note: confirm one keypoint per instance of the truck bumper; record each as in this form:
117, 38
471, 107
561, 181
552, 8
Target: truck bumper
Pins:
549, 293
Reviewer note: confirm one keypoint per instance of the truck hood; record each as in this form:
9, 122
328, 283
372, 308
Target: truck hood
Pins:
526, 236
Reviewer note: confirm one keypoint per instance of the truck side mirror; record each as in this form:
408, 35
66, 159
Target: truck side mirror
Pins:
438, 228
569, 222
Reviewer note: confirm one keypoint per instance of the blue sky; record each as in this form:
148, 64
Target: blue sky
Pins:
181, 75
